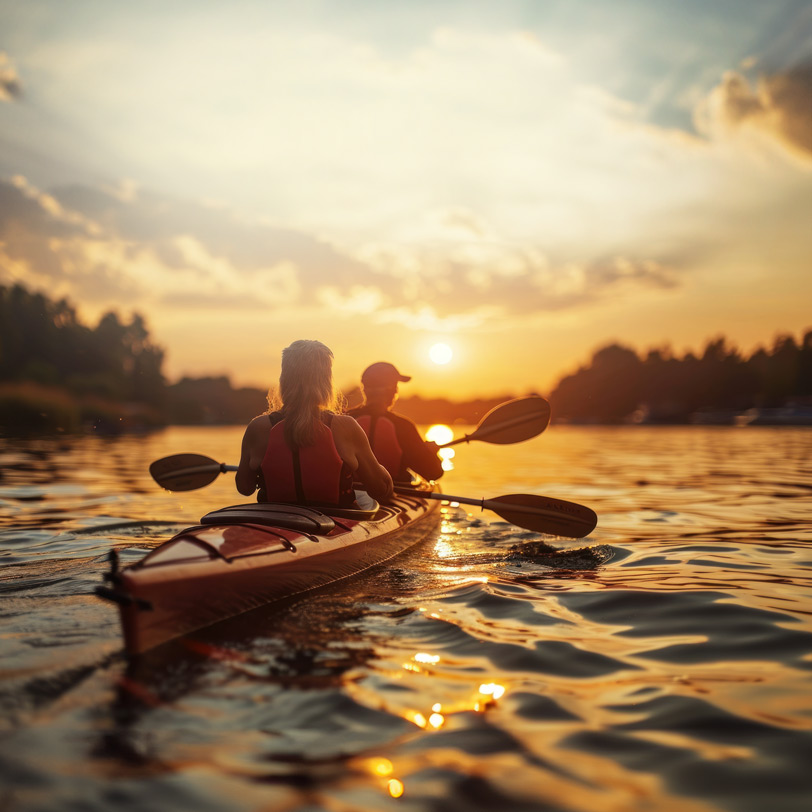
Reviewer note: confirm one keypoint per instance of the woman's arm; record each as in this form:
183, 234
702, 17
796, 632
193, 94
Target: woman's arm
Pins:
354, 448
254, 443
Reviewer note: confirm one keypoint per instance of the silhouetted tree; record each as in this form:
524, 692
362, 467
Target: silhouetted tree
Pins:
616, 381
43, 341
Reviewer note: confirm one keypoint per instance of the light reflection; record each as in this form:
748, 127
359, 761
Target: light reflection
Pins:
440, 433
436, 720
446, 455
381, 766
492, 689
395, 787
442, 548
422, 657
485, 698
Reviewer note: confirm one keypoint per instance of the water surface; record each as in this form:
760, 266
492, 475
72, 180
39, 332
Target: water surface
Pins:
666, 665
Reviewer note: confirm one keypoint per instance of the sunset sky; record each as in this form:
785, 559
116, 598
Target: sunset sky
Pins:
521, 180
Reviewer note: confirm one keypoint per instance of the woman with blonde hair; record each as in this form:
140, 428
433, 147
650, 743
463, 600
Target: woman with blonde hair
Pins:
302, 451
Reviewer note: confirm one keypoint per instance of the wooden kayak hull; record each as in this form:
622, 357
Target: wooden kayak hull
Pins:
228, 566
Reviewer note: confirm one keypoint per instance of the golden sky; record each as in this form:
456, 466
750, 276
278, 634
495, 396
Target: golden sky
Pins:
521, 181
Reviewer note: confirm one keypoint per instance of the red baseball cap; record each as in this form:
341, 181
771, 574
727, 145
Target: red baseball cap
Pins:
382, 374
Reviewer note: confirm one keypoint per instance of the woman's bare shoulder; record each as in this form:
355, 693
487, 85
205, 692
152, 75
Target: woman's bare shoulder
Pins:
346, 424
258, 426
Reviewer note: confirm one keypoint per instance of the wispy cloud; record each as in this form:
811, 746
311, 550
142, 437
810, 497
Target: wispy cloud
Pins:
104, 245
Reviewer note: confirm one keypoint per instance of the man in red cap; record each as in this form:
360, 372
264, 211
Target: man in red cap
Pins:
394, 439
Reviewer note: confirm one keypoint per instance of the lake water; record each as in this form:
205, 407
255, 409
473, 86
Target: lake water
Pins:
666, 667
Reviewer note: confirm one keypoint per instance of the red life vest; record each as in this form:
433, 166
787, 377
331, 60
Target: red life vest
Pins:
314, 473
384, 442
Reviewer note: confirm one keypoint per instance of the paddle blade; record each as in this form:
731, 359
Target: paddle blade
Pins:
185, 472
512, 422
543, 514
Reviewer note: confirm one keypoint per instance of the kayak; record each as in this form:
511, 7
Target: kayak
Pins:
245, 556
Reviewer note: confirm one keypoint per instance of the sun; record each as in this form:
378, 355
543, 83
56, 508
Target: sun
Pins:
441, 353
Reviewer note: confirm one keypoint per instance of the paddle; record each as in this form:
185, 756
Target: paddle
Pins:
187, 472
541, 514
510, 422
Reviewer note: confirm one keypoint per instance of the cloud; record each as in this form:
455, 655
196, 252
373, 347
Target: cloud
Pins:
10, 86
485, 280
105, 246
30, 223
211, 239
97, 244
778, 105
648, 273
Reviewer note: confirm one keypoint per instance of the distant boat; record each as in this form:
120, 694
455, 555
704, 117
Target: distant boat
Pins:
782, 416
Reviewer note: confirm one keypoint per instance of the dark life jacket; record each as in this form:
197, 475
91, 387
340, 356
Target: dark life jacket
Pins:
305, 474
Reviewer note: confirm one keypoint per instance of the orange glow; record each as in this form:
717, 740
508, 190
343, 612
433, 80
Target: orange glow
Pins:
381, 766
395, 787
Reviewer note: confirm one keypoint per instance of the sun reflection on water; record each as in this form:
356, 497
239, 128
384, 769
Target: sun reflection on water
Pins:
440, 433
485, 696
381, 766
395, 787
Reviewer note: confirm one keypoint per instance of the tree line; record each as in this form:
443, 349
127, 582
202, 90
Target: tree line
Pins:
57, 372
55, 369
617, 383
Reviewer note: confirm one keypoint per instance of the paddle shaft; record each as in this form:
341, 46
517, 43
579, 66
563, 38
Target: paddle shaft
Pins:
219, 467
495, 505
541, 514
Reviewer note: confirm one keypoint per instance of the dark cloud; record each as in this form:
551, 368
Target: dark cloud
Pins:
10, 87
780, 104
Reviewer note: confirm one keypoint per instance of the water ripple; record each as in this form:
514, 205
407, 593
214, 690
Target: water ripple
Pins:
664, 663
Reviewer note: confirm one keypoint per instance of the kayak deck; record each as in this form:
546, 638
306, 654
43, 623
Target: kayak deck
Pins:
245, 556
